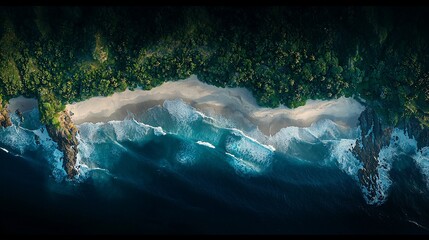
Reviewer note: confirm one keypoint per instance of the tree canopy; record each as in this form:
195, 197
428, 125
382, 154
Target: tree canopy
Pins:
283, 55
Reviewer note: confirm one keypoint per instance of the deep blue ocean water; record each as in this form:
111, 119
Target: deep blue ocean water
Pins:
175, 170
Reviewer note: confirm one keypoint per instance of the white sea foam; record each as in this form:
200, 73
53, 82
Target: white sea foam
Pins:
84, 170
248, 151
242, 166
129, 130
284, 137
4, 149
422, 160
103, 138
400, 143
404, 144
22, 140
240, 133
252, 152
186, 114
58, 171
94, 132
207, 144
347, 162
320, 131
383, 182
17, 139
180, 111
85, 150
158, 131
85, 147
325, 129
205, 116
53, 154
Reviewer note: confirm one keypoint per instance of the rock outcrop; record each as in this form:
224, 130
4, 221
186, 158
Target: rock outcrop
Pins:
420, 134
20, 115
373, 138
65, 137
4, 116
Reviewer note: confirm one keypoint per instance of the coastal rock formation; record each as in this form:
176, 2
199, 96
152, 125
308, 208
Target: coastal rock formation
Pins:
4, 116
420, 134
65, 137
20, 115
373, 138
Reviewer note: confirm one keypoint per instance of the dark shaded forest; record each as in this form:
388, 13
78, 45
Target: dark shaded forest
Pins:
283, 55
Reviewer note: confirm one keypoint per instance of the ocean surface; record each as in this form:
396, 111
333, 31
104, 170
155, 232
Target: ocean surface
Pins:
176, 170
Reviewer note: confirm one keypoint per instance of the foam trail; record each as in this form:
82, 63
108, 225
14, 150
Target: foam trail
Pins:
84, 171
400, 143
185, 114
422, 160
55, 156
17, 139
204, 116
4, 149
347, 162
242, 166
383, 182
157, 130
238, 132
248, 156
180, 111
418, 225
206, 144
325, 129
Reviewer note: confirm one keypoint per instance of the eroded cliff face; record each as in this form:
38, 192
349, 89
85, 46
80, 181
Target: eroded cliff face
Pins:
420, 134
65, 137
4, 116
374, 136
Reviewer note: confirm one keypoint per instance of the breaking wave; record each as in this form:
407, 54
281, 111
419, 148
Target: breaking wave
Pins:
249, 153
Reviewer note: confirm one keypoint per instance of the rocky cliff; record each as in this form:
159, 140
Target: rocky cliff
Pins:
4, 116
374, 136
65, 137
414, 129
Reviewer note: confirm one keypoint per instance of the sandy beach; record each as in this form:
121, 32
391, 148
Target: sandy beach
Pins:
236, 104
22, 103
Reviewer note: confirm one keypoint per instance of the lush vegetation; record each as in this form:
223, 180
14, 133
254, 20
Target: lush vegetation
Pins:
284, 55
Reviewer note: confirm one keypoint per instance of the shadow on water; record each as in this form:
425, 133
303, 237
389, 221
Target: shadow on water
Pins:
152, 188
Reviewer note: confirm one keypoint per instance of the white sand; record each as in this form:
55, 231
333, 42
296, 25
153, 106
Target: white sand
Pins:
236, 104
22, 103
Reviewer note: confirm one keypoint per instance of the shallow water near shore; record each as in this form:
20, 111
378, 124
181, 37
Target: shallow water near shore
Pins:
173, 169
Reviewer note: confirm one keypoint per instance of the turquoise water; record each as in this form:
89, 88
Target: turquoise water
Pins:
176, 170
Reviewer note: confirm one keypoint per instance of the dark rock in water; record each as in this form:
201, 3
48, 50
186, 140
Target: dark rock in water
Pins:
37, 139
373, 138
65, 137
19, 114
414, 129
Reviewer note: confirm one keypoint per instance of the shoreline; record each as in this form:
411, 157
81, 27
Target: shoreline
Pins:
22, 103
235, 104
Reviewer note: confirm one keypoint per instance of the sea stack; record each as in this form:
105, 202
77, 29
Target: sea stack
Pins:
374, 136
65, 137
